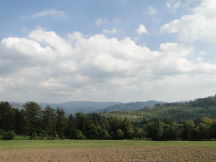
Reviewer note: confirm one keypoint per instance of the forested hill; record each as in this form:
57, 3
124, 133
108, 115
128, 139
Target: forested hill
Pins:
73, 107
179, 111
192, 120
132, 106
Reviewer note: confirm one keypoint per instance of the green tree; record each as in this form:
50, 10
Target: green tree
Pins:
204, 131
20, 123
189, 130
61, 123
119, 134
127, 127
69, 132
78, 134
49, 121
171, 131
6, 116
155, 130
139, 133
213, 130
32, 117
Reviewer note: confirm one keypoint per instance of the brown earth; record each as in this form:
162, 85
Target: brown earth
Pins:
111, 154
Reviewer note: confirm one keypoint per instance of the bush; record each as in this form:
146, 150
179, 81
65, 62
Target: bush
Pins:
9, 135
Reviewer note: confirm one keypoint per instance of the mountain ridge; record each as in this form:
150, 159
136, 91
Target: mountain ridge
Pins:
71, 107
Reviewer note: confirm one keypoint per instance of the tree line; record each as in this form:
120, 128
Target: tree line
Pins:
48, 123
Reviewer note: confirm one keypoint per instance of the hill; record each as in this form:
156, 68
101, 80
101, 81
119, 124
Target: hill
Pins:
179, 111
81, 106
91, 106
74, 106
131, 106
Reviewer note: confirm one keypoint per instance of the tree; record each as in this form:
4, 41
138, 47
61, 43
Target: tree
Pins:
189, 130
61, 122
78, 134
92, 131
127, 127
69, 132
6, 116
32, 116
213, 130
20, 123
155, 130
49, 121
139, 133
204, 132
171, 131
119, 134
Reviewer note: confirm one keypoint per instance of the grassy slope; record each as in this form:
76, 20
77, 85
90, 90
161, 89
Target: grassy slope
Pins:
25, 144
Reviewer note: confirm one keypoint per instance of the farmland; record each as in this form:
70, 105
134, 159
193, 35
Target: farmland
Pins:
106, 150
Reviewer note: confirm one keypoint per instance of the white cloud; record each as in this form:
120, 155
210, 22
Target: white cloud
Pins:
173, 5
50, 12
112, 31
101, 21
46, 66
197, 26
142, 29
152, 10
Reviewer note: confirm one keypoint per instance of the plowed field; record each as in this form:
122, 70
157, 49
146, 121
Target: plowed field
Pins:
112, 154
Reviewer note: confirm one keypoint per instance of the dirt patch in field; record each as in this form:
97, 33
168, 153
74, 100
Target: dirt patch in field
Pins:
109, 154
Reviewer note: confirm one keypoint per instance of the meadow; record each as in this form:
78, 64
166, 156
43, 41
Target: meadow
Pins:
32, 144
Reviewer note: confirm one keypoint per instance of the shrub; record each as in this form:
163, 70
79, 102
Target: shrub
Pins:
9, 135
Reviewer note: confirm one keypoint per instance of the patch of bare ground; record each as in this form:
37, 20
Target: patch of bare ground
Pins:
111, 154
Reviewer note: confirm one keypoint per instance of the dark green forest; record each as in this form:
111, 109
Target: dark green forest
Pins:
193, 120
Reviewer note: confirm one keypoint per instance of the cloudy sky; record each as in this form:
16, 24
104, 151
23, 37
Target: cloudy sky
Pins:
107, 50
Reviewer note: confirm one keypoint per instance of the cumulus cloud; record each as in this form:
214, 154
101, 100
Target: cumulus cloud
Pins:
50, 12
142, 29
197, 26
46, 66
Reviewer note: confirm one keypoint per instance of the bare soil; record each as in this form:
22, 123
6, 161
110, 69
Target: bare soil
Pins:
111, 154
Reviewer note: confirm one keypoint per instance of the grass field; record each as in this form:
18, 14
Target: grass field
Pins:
26, 144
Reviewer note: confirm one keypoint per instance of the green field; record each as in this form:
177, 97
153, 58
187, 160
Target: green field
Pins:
23, 144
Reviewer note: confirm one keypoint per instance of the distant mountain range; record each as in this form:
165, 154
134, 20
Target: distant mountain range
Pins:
81, 106
90, 106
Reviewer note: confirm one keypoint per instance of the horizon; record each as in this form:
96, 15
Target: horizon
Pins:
179, 101
117, 50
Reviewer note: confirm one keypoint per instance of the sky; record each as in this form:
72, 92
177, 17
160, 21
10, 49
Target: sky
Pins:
107, 50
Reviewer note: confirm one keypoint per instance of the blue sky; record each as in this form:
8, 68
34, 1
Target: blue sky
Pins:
124, 15
120, 50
